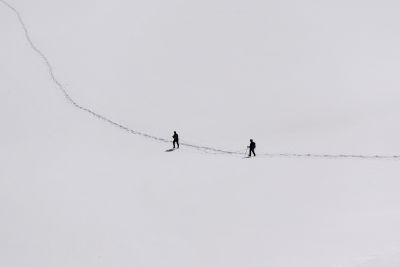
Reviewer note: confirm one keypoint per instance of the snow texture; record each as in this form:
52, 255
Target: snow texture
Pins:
318, 94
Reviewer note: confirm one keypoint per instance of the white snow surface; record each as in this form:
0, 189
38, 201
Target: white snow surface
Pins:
297, 77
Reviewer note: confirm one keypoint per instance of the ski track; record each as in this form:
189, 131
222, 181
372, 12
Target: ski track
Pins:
204, 149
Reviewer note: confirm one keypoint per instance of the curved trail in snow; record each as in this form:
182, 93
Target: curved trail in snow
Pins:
90, 111
160, 139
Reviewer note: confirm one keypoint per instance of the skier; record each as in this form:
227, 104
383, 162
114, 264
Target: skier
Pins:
176, 139
252, 147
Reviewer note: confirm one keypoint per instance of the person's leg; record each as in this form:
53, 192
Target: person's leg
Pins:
254, 153
177, 142
173, 143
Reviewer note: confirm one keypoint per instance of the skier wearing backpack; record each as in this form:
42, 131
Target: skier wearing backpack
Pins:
252, 147
176, 140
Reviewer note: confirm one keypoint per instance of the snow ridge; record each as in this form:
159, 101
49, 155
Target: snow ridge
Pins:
205, 149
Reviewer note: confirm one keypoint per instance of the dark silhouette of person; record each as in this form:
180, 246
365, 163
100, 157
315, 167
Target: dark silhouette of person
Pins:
252, 147
176, 140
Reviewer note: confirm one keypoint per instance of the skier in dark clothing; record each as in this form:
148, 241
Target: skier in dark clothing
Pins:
176, 140
252, 147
